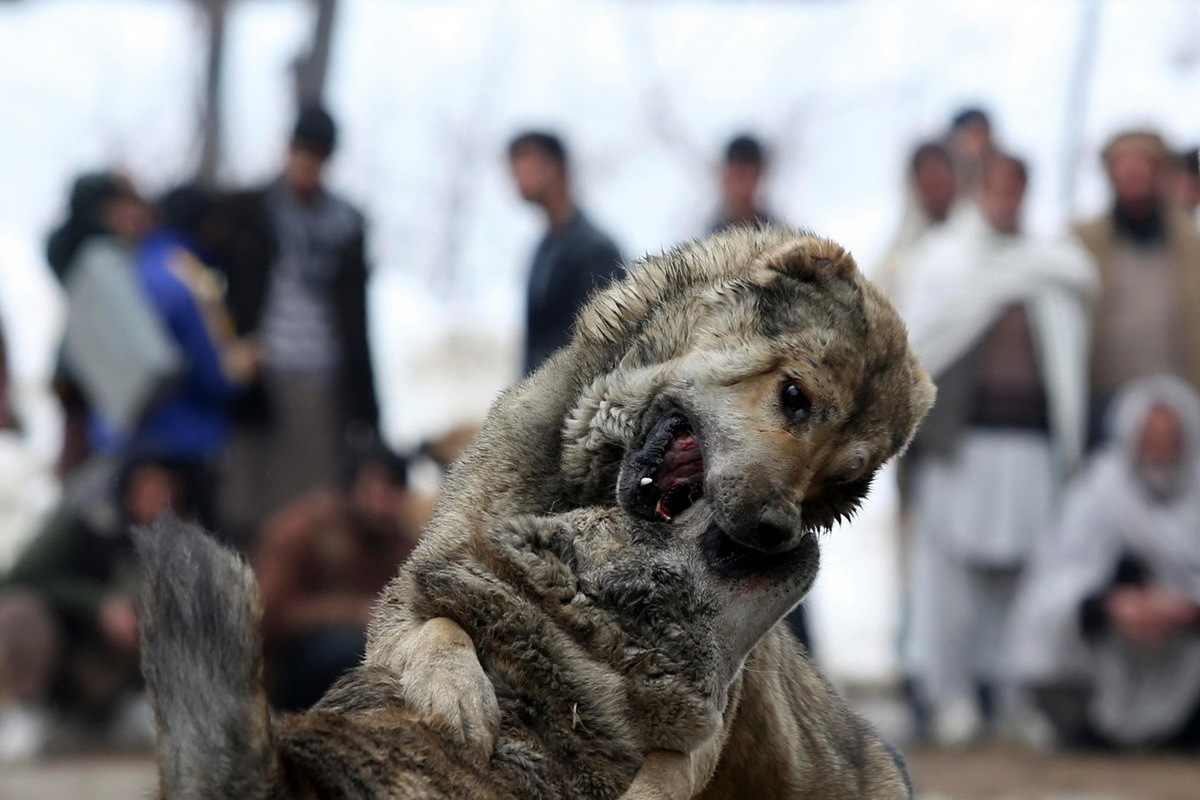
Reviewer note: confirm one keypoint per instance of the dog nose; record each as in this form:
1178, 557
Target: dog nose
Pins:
772, 539
774, 532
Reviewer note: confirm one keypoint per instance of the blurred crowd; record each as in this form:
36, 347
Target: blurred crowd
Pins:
216, 364
1051, 498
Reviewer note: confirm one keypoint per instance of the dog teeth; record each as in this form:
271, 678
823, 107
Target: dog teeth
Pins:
647, 481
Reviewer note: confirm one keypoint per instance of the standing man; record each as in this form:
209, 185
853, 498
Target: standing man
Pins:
1000, 321
1147, 320
1186, 189
574, 257
931, 191
293, 254
742, 173
971, 143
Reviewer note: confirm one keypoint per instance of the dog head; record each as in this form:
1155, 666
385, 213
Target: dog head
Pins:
651, 606
757, 370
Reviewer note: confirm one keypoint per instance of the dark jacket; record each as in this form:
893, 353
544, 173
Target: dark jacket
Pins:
568, 265
73, 565
246, 252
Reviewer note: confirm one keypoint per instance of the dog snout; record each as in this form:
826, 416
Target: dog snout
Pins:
776, 530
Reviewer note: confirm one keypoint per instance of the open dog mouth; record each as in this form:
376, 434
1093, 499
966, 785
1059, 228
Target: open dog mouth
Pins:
666, 476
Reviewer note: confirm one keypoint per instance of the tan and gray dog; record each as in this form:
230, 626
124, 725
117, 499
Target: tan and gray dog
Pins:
756, 369
753, 381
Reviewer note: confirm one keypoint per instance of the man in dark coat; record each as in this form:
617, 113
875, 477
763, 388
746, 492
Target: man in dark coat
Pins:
294, 257
574, 258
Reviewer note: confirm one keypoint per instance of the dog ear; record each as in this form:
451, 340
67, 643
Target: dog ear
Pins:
811, 259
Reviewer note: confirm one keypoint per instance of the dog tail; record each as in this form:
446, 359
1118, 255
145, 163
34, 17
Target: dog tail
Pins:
202, 659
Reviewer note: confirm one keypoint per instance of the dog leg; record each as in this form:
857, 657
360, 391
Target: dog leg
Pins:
671, 775
444, 682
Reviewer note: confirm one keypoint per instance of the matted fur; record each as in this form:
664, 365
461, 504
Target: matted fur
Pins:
713, 329
606, 637
713, 325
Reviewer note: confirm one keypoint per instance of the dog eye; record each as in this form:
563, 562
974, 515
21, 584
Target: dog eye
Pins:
795, 403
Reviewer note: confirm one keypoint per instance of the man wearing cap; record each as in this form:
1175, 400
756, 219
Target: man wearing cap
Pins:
293, 253
1147, 316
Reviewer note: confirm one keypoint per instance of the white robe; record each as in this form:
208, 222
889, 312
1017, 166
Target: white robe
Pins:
1139, 694
964, 276
977, 513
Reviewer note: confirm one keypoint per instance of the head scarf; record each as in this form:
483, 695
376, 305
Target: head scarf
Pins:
1139, 694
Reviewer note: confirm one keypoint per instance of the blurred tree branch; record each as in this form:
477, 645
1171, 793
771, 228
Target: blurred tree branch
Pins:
310, 69
309, 72
214, 13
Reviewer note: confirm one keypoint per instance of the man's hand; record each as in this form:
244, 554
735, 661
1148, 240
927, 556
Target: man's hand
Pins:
445, 683
1149, 616
241, 360
118, 621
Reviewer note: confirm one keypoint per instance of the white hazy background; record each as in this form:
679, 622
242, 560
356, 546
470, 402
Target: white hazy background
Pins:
646, 94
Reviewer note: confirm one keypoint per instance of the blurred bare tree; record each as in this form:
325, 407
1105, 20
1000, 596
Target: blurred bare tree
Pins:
309, 72
310, 69
214, 14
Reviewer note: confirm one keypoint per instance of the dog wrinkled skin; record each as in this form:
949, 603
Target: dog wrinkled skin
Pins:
755, 370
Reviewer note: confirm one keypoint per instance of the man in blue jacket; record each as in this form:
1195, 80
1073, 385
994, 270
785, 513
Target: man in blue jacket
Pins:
189, 424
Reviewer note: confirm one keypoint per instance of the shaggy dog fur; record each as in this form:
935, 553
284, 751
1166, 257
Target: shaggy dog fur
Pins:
794, 376
749, 384
604, 635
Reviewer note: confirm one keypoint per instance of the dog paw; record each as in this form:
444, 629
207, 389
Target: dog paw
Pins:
444, 682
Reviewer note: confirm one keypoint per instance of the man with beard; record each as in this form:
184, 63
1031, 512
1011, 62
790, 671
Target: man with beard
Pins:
320, 565
1147, 320
1108, 626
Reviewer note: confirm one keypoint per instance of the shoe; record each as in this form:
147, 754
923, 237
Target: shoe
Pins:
24, 733
1029, 728
132, 725
958, 723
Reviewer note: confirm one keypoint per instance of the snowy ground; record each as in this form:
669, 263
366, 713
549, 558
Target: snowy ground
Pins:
429, 90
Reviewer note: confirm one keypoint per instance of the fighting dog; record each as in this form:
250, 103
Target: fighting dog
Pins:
754, 376
756, 369
605, 637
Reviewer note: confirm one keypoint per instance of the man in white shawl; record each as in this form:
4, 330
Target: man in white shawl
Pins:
930, 191
1112, 603
1000, 320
